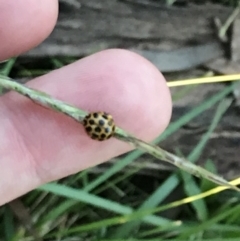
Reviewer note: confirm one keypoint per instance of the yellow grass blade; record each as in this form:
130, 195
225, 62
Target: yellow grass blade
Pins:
204, 80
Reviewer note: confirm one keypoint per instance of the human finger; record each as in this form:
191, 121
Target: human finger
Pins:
39, 145
24, 24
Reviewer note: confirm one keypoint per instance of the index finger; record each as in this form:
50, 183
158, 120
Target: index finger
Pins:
39, 145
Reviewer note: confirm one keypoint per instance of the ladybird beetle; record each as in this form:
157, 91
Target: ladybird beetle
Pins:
99, 125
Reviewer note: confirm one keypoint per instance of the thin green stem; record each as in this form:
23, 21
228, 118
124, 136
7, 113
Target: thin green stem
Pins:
47, 101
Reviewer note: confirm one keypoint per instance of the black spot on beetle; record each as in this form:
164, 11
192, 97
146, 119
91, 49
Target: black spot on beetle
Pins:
91, 122
103, 136
94, 136
107, 130
101, 122
97, 129
89, 129
95, 115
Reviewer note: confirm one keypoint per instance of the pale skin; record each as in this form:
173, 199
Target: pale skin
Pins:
39, 145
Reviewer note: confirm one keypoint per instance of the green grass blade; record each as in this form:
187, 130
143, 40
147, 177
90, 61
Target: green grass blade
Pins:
56, 212
91, 199
8, 67
170, 130
157, 197
190, 185
209, 223
8, 224
222, 108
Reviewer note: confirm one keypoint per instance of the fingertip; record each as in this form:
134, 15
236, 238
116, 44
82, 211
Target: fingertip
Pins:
25, 24
51, 145
116, 81
129, 87
119, 82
